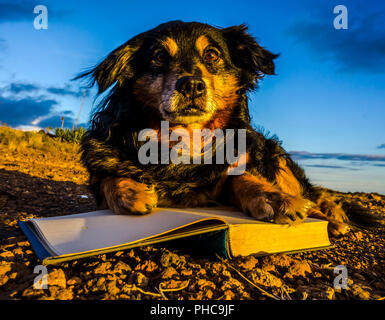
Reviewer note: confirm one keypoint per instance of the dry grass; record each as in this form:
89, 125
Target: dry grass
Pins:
40, 155
16, 140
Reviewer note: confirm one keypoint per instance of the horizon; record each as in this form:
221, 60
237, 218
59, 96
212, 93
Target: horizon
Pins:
326, 103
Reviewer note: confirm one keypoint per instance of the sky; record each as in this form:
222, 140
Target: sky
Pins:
326, 103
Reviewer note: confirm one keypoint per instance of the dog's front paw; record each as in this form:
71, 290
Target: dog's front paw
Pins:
337, 228
126, 196
290, 210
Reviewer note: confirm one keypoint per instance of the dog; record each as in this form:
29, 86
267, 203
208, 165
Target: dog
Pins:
193, 75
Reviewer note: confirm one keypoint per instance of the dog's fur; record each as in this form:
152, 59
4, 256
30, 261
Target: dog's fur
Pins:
144, 75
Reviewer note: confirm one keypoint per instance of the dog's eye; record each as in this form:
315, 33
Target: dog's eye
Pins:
160, 56
211, 55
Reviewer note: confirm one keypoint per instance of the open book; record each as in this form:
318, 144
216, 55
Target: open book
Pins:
225, 231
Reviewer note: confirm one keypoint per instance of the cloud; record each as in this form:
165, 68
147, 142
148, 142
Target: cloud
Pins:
25, 87
65, 91
28, 111
24, 111
28, 104
359, 48
21, 10
303, 155
55, 121
322, 166
381, 146
22, 87
15, 10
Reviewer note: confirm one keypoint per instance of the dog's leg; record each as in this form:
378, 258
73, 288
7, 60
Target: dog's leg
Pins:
264, 201
330, 208
126, 196
324, 207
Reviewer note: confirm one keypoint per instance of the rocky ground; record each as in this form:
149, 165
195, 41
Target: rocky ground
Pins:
34, 183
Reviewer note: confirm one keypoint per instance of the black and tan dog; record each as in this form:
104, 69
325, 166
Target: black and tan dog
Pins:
193, 76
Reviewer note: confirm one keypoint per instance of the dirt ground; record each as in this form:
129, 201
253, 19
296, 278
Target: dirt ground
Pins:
36, 184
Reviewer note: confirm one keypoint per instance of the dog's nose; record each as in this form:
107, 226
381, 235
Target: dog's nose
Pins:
191, 87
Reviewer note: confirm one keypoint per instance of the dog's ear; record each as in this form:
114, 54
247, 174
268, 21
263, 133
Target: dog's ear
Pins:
116, 67
247, 54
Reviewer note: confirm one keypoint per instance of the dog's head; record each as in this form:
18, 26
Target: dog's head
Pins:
186, 72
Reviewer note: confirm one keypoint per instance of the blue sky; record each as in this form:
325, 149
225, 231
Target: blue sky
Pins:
328, 97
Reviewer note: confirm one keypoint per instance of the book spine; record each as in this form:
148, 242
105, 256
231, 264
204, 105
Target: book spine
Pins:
35, 242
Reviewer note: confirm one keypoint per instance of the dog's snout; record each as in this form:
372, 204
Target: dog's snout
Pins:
191, 87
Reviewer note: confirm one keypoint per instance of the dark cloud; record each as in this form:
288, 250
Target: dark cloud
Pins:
65, 91
322, 166
24, 111
359, 48
15, 10
55, 121
381, 146
303, 155
22, 87
25, 87
21, 10
16, 110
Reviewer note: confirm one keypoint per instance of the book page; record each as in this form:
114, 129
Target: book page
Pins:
102, 229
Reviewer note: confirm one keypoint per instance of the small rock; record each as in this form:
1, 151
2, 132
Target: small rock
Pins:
6, 254
5, 267
329, 293
57, 278
101, 284
168, 258
121, 267
202, 283
32, 292
147, 266
65, 294
228, 295
249, 263
103, 268
112, 288
140, 279
201, 272
186, 272
299, 268
18, 251
3, 280
74, 281
209, 294
169, 272
360, 292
